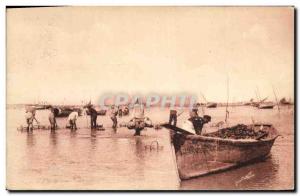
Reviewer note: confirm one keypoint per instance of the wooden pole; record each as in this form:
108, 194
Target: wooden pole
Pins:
227, 112
202, 107
258, 93
276, 100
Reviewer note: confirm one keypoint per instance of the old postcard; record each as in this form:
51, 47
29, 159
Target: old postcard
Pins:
150, 98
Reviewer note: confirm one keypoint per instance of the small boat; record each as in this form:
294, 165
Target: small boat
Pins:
265, 106
283, 101
42, 107
199, 155
211, 105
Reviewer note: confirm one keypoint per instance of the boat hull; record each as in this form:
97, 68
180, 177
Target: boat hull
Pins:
266, 107
200, 155
211, 105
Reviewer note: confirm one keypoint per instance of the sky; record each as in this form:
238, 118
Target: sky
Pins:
69, 54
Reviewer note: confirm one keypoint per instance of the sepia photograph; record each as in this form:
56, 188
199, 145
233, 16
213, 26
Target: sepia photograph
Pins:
150, 98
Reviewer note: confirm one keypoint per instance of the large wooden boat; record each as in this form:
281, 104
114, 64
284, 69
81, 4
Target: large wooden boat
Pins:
198, 155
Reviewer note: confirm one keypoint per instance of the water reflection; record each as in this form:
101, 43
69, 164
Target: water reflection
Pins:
30, 139
73, 134
93, 140
139, 147
139, 156
53, 139
93, 134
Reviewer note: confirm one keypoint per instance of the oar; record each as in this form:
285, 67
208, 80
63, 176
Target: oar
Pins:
180, 113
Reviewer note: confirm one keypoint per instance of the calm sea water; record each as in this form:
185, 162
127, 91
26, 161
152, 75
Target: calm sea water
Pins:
108, 160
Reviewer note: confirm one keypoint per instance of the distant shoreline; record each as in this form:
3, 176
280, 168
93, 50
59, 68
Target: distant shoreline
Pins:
20, 105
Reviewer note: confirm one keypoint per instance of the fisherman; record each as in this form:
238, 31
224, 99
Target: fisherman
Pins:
30, 116
113, 116
198, 121
72, 120
138, 117
93, 114
120, 111
125, 111
52, 119
196, 108
173, 117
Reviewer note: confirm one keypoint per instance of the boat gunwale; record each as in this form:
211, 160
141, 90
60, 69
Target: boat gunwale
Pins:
237, 141
230, 141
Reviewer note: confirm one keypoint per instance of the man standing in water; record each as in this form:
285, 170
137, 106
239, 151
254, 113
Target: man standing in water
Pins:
72, 120
173, 117
30, 116
93, 114
52, 119
120, 111
113, 116
138, 117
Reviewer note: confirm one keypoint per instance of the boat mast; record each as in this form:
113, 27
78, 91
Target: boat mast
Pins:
202, 107
276, 100
227, 112
257, 90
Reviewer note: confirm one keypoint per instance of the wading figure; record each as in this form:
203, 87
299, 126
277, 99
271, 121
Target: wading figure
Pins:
138, 117
120, 111
173, 117
30, 116
139, 121
52, 119
125, 111
139, 124
93, 114
72, 120
113, 116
